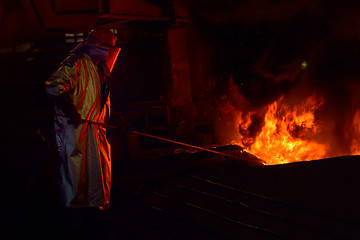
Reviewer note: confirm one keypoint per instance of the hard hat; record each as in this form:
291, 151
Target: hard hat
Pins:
103, 36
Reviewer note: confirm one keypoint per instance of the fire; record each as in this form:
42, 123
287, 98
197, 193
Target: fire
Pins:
287, 134
355, 144
291, 128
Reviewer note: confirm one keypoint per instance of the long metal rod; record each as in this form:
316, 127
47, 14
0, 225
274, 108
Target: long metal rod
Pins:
187, 145
155, 137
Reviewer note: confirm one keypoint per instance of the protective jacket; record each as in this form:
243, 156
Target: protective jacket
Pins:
84, 169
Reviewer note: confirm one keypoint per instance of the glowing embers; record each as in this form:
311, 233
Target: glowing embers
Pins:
288, 133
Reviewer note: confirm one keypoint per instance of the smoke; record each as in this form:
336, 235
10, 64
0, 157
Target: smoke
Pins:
260, 46
336, 79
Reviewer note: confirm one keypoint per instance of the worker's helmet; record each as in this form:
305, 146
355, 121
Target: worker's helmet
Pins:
103, 35
104, 39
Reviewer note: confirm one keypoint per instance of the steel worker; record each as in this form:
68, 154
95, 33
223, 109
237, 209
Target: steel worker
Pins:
80, 90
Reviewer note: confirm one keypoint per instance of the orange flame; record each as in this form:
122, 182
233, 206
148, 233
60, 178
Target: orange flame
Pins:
355, 146
288, 129
287, 134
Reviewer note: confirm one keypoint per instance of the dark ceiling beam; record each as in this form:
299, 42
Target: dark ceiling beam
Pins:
38, 17
104, 6
53, 7
134, 17
77, 12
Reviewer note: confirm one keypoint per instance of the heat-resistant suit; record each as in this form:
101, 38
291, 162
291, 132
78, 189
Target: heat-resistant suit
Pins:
81, 93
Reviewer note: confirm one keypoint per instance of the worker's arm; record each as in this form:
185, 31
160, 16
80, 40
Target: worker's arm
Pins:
60, 85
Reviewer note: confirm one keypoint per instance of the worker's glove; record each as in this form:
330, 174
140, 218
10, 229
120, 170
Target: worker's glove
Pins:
75, 118
128, 127
119, 121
